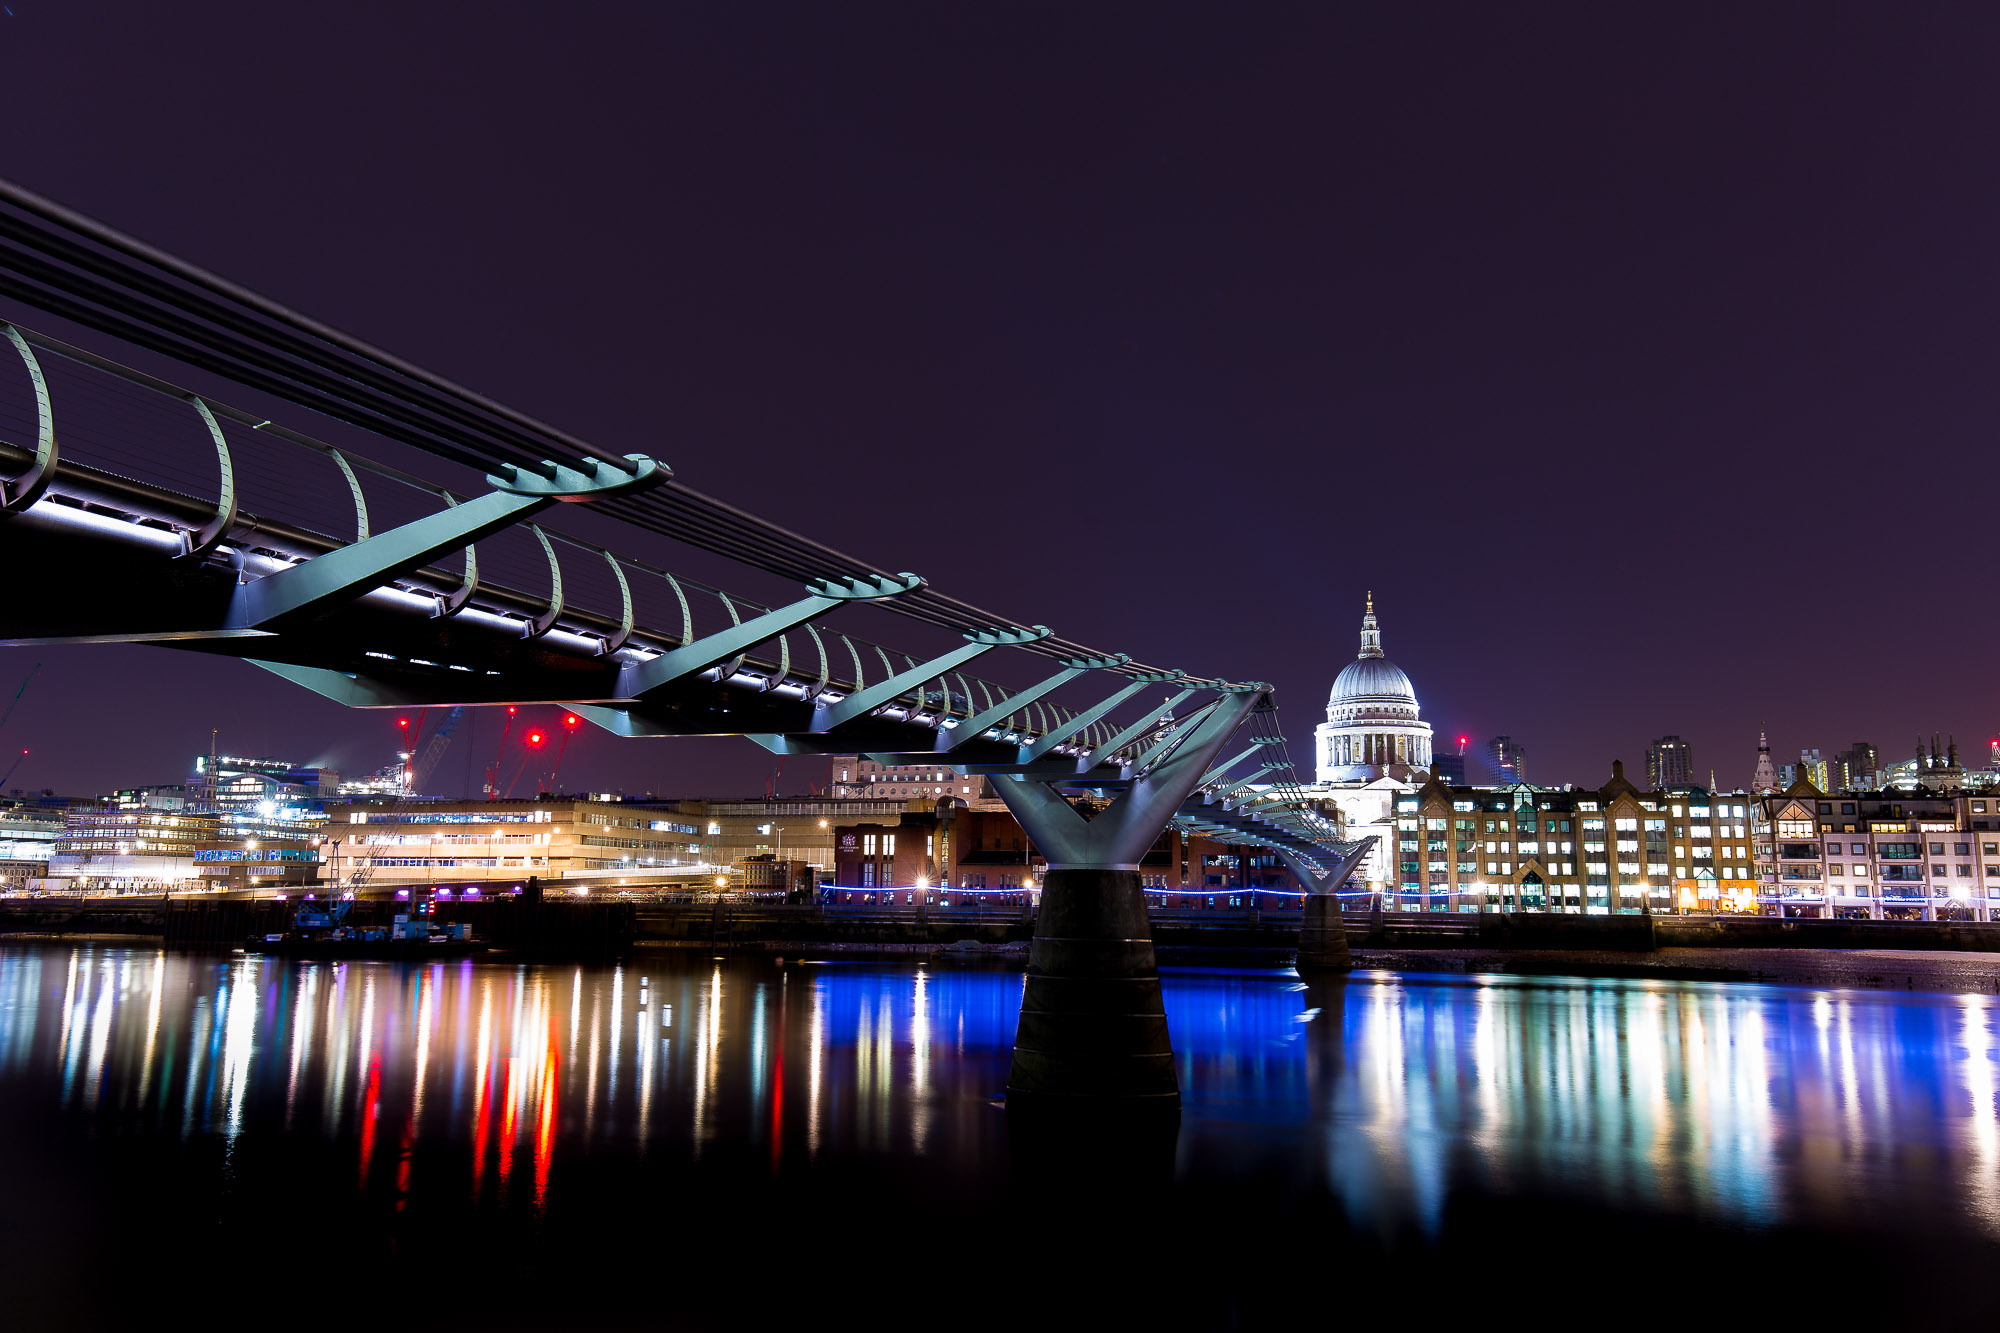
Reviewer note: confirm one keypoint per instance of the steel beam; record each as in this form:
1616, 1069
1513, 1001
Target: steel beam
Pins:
17, 493
1113, 744
1123, 831
977, 726
636, 680
1221, 769
1062, 731
1329, 880
828, 716
339, 686
319, 584
1240, 783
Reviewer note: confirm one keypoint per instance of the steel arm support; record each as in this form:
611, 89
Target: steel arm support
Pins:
1124, 830
339, 576
1220, 770
828, 716
638, 679
1241, 783
1113, 744
1330, 880
973, 728
353, 691
17, 493
1062, 731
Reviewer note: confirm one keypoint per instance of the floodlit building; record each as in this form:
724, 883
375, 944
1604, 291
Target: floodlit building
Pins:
855, 778
1373, 749
1373, 728
29, 832
732, 834
1914, 854
1615, 849
137, 850
375, 841
951, 847
243, 784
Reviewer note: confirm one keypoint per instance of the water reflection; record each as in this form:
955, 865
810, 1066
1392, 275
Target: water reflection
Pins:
1736, 1105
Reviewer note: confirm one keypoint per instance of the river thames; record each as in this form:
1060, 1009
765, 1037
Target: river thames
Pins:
688, 1141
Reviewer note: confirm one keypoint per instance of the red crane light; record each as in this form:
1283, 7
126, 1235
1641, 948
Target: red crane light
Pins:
402, 722
534, 738
571, 719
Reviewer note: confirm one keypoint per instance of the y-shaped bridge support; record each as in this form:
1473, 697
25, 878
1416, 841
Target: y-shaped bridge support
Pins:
1322, 934
1093, 1028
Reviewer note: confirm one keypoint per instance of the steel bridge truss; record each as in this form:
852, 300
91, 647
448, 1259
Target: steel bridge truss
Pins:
377, 621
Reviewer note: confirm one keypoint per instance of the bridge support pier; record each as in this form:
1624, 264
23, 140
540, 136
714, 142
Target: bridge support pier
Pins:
1323, 931
1093, 1029
1323, 936
1093, 1025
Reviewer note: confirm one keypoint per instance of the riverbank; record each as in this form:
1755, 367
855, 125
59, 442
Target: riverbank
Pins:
1970, 973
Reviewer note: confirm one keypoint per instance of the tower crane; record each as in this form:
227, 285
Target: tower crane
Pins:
421, 766
493, 769
26, 680
570, 723
11, 768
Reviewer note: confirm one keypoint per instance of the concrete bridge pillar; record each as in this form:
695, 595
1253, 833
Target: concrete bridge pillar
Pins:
1322, 931
1093, 1025
1093, 1028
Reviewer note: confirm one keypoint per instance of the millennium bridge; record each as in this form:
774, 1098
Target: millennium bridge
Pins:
409, 550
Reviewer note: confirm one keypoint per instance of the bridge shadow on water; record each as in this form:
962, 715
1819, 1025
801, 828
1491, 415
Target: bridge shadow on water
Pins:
700, 1143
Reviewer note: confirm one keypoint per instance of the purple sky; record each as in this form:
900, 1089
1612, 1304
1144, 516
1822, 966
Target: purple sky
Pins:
1641, 361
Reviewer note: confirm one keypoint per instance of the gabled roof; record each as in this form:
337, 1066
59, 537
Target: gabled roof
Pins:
1803, 787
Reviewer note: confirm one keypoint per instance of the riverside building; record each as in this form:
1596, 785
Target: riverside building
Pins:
949, 847
736, 835
106, 849
1915, 855
864, 779
375, 841
1615, 849
28, 835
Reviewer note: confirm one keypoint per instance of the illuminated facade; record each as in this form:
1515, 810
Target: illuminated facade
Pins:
374, 842
1612, 850
1372, 728
1879, 854
1373, 750
108, 849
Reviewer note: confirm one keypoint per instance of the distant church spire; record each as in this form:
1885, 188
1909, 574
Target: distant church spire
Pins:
1765, 779
1371, 635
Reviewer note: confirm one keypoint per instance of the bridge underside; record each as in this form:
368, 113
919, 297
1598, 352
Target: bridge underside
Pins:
382, 620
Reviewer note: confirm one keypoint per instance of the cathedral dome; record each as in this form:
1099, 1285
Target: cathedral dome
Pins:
1368, 680
1374, 727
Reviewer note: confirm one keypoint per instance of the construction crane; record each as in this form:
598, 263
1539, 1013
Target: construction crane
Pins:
15, 702
420, 768
11, 770
493, 769
570, 723
529, 744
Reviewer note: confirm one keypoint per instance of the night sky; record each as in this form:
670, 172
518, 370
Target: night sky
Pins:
1640, 359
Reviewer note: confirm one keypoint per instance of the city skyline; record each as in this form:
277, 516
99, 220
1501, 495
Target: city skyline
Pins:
277, 720
995, 328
